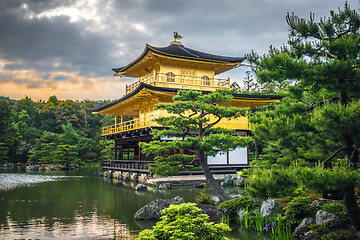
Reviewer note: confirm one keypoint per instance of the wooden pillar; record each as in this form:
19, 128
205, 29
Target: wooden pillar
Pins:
121, 152
116, 120
115, 158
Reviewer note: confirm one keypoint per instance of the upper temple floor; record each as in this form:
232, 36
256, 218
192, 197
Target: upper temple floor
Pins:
177, 66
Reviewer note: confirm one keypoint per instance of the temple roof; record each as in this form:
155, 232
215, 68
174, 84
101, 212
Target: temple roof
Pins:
177, 51
174, 90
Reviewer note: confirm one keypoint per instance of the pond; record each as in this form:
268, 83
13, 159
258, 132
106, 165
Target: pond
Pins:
76, 205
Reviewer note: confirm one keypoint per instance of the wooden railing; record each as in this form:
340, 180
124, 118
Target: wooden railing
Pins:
126, 165
136, 123
179, 79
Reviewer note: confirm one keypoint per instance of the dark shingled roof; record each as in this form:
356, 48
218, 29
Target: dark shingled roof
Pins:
179, 51
164, 89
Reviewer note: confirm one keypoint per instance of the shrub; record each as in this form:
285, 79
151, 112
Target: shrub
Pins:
183, 222
204, 198
165, 166
275, 182
171, 165
336, 208
232, 206
298, 207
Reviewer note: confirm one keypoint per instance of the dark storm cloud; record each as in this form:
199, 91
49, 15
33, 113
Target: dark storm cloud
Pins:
122, 28
51, 44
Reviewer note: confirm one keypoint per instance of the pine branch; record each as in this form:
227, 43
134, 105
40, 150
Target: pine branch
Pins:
353, 153
352, 80
212, 124
333, 155
315, 104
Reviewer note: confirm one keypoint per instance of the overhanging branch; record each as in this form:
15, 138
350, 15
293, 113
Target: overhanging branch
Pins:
333, 155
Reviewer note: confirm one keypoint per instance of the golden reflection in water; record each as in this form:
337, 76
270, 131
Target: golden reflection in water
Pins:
93, 227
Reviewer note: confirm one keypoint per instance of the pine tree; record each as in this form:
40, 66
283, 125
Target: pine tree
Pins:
193, 122
322, 61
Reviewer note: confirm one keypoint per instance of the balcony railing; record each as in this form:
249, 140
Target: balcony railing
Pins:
136, 123
148, 121
126, 165
179, 79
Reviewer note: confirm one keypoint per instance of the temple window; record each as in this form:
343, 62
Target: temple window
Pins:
170, 77
205, 80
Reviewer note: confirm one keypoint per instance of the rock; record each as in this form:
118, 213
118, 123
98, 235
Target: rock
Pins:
140, 187
303, 227
227, 180
316, 204
32, 168
48, 169
270, 207
151, 211
242, 213
164, 186
127, 177
9, 165
310, 235
211, 211
329, 219
41, 168
239, 181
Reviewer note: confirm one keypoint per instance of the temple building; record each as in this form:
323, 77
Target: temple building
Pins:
160, 72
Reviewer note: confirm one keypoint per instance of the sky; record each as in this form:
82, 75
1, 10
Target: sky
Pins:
67, 48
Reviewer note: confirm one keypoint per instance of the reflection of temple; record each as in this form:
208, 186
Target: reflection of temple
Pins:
161, 72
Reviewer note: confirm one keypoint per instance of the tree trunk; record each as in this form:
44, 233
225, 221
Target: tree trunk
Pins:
256, 149
211, 180
351, 205
352, 208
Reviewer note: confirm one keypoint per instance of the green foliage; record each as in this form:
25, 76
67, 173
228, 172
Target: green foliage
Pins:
298, 207
184, 222
25, 127
170, 166
186, 119
328, 179
336, 208
281, 228
205, 198
232, 206
319, 118
274, 182
165, 166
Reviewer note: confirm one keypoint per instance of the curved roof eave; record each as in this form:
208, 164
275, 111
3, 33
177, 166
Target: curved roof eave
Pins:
181, 52
164, 89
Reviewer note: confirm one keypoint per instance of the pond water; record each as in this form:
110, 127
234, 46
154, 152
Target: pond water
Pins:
75, 205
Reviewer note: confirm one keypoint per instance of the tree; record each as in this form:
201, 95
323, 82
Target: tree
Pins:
193, 122
250, 85
322, 60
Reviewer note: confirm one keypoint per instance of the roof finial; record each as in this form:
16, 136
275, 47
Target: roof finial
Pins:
177, 36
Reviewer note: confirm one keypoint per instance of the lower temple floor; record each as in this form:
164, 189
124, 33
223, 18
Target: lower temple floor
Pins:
129, 158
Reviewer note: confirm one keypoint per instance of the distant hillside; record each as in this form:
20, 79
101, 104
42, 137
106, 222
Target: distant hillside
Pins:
7, 99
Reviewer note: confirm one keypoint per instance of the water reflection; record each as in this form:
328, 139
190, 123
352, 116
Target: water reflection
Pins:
75, 205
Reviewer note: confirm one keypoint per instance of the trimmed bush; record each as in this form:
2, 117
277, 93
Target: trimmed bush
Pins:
336, 208
185, 223
298, 207
204, 198
232, 206
275, 182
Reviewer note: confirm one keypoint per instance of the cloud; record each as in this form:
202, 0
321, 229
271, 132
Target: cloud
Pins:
45, 43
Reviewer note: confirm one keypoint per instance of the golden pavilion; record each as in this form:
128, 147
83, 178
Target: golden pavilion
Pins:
160, 72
